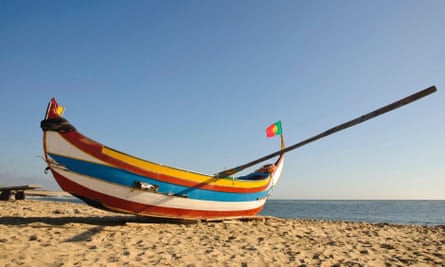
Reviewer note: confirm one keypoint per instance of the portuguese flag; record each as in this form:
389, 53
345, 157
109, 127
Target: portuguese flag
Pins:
274, 129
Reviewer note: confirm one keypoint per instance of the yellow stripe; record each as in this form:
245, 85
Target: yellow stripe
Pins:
181, 174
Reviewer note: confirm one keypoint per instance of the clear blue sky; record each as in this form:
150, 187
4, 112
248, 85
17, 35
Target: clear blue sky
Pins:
194, 84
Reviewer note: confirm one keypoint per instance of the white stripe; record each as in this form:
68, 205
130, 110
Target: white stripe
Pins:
58, 145
277, 174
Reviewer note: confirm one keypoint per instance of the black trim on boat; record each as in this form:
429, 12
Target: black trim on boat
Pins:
57, 125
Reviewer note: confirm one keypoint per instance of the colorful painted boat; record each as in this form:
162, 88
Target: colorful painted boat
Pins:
108, 179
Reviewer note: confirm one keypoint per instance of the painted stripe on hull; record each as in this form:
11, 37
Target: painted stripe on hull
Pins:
59, 144
54, 142
277, 174
151, 204
128, 179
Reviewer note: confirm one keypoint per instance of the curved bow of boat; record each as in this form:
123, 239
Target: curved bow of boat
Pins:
109, 179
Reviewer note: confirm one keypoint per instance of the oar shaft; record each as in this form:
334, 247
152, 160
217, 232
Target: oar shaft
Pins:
363, 118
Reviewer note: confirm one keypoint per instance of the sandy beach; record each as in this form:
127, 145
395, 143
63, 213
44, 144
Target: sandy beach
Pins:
39, 233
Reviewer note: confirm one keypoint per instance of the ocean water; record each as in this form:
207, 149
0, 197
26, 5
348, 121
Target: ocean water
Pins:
417, 212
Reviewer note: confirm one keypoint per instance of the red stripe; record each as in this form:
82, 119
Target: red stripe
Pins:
95, 149
126, 206
270, 131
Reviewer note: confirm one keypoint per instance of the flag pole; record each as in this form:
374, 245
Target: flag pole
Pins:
282, 142
402, 102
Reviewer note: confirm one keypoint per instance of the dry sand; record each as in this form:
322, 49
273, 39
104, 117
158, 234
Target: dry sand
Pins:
38, 233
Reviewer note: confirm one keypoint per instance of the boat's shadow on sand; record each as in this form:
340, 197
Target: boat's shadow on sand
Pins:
89, 220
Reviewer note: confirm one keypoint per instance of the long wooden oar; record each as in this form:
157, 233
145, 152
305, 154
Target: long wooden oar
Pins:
363, 118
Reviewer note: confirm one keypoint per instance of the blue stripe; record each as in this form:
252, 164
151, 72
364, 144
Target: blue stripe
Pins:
126, 178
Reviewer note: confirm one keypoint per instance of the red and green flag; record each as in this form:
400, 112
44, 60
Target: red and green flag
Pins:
274, 129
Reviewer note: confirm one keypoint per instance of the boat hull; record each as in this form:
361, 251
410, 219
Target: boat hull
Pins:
125, 200
108, 179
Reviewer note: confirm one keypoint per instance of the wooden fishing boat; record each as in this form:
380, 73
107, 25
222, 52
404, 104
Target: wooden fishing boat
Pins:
109, 179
